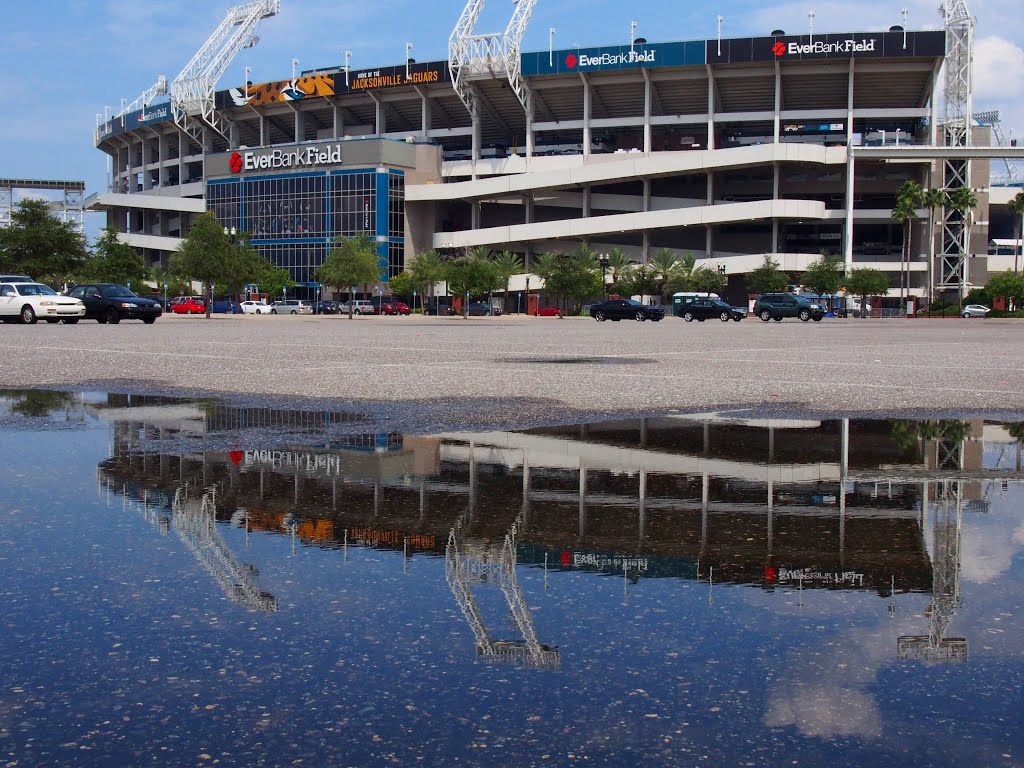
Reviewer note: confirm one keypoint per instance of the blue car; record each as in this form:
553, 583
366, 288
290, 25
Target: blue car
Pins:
226, 307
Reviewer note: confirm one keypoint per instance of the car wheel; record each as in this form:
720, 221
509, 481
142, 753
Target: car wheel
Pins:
52, 320
640, 317
777, 319
28, 315
816, 318
102, 320
273, 311
112, 317
149, 320
737, 318
688, 317
257, 312
293, 312
804, 315
765, 315
70, 320
966, 316
724, 317
599, 316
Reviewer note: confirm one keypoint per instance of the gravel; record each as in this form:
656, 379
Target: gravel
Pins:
516, 371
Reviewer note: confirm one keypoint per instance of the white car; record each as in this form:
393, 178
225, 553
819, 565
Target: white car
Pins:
255, 308
359, 307
27, 302
975, 310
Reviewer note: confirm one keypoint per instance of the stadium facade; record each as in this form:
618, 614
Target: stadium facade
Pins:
730, 149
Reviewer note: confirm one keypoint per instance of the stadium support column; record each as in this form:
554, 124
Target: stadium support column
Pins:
648, 100
586, 116
184, 150
337, 122
777, 118
264, 133
147, 159
529, 125
709, 228
235, 135
300, 126
424, 113
848, 228
711, 107
776, 189
162, 159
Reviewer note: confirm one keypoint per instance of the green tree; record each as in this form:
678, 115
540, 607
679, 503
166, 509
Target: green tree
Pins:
909, 198
640, 281
824, 276
351, 263
204, 254
665, 263
1009, 285
507, 264
402, 285
934, 200
618, 264
39, 245
768, 278
706, 280
115, 262
1017, 209
176, 284
472, 273
866, 282
427, 271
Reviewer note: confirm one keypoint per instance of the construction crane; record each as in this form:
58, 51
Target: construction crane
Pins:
956, 172
461, 569
195, 523
487, 55
991, 118
192, 91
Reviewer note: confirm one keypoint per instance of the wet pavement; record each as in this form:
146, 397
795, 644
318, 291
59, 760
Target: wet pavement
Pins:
210, 582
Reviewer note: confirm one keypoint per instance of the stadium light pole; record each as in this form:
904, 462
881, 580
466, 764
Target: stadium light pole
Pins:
720, 19
632, 37
551, 47
408, 50
810, 24
248, 71
348, 57
295, 64
904, 12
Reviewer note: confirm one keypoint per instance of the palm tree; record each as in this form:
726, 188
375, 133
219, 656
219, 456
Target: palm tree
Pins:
1017, 208
618, 264
544, 266
932, 199
664, 263
908, 200
427, 270
508, 264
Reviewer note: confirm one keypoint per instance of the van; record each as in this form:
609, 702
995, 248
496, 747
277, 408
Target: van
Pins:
681, 299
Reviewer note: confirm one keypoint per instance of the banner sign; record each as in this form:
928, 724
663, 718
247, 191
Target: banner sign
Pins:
858, 45
613, 57
158, 113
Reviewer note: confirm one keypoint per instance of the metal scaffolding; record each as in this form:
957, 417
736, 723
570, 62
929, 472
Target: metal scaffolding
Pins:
70, 209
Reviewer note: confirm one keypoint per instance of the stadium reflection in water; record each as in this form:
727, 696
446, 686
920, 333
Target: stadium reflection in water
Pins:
766, 588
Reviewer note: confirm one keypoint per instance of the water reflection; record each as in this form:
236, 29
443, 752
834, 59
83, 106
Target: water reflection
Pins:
724, 546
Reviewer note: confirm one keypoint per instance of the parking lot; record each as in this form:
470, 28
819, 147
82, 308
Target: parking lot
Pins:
540, 368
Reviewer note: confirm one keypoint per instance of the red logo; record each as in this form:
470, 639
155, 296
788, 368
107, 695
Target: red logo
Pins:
566, 559
779, 48
235, 162
571, 61
236, 456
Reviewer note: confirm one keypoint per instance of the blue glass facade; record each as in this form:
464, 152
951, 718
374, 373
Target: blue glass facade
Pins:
293, 219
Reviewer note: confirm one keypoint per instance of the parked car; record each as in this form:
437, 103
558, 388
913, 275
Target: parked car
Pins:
441, 309
188, 305
384, 308
325, 307
705, 309
776, 306
291, 307
625, 309
111, 303
26, 302
225, 307
548, 311
401, 308
16, 279
479, 308
255, 308
975, 310
359, 307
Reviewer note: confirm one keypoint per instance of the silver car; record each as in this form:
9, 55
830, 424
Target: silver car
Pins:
291, 307
975, 310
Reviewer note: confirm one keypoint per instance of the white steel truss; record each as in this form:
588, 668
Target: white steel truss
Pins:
992, 118
159, 88
951, 270
192, 91
496, 54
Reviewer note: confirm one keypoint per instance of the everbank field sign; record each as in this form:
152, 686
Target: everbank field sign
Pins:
280, 159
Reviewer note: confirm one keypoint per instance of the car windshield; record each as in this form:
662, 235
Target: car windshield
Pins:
634, 303
118, 292
34, 289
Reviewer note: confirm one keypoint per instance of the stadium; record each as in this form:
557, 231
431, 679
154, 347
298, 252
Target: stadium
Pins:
785, 145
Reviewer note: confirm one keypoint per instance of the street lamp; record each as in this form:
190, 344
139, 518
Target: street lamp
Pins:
604, 266
527, 295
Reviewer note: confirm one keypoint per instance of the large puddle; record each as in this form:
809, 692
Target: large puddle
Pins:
682, 590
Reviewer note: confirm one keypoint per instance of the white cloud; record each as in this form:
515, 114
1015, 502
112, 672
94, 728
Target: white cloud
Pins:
998, 68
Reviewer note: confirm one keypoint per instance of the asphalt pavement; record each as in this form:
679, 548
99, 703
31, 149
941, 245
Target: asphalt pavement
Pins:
516, 371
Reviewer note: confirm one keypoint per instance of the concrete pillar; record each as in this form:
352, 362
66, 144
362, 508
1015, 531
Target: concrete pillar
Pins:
647, 195
424, 115
648, 110
300, 126
147, 158
711, 108
234, 136
162, 153
777, 119
264, 131
776, 189
529, 124
475, 214
583, 500
586, 116
848, 225
587, 198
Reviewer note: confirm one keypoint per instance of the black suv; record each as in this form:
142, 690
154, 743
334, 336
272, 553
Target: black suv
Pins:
111, 303
775, 306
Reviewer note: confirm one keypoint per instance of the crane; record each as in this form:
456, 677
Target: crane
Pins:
493, 54
192, 91
460, 569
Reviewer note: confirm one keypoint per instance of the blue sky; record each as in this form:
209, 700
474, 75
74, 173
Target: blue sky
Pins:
64, 60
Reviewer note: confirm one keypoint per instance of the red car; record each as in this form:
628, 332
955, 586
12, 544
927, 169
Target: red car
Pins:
384, 308
401, 308
188, 305
549, 311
